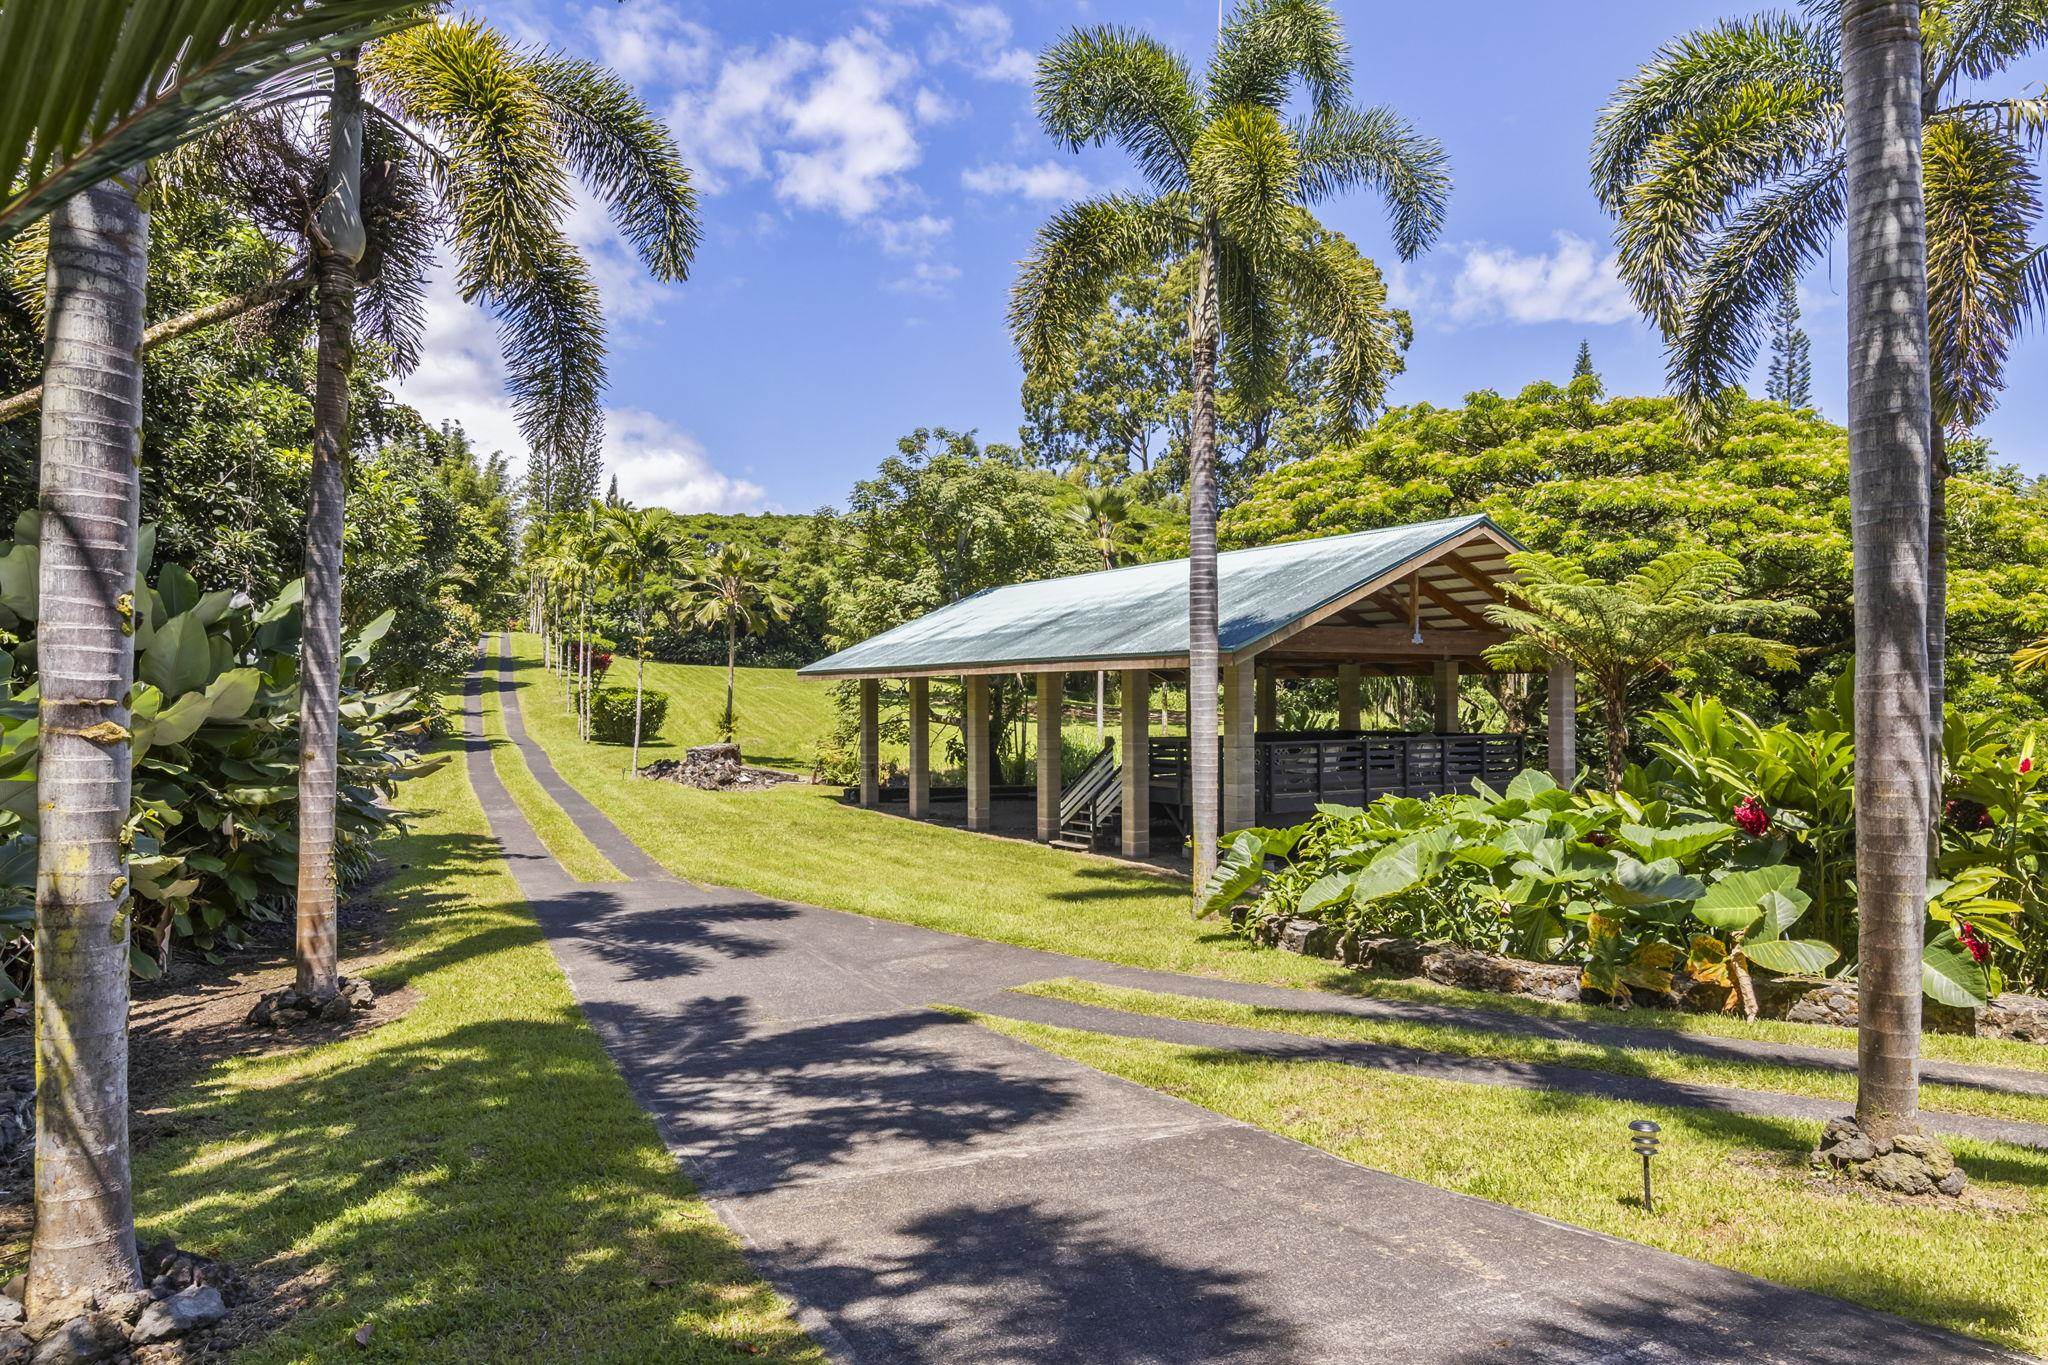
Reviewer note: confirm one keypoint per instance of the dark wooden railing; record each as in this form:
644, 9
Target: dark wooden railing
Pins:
1297, 772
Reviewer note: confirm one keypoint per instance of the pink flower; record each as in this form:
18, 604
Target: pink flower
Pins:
1752, 818
1979, 951
2026, 765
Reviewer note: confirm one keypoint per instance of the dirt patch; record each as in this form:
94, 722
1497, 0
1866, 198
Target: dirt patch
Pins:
193, 1017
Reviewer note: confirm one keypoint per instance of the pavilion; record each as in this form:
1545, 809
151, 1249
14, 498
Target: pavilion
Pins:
1401, 600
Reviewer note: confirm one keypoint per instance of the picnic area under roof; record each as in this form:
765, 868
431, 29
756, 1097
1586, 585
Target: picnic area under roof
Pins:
1337, 596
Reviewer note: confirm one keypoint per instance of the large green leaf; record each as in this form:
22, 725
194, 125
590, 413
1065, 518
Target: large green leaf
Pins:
1242, 865
230, 696
1736, 901
1678, 841
1323, 892
18, 572
178, 588
1950, 977
365, 640
179, 658
1637, 885
1790, 956
1529, 783
1402, 866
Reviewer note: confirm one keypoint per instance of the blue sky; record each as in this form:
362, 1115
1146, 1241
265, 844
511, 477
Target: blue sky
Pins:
872, 173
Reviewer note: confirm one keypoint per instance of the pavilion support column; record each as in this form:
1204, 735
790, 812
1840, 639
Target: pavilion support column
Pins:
1269, 700
974, 731
1050, 688
870, 743
1136, 753
1446, 697
920, 748
1347, 696
1240, 748
1564, 723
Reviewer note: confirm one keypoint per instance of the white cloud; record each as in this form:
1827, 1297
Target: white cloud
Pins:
660, 465
916, 235
979, 39
855, 140
1046, 180
934, 106
934, 279
1571, 283
649, 43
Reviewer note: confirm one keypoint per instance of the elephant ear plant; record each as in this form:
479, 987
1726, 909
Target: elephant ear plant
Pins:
212, 821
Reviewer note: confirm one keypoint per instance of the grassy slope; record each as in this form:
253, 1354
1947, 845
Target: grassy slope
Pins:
474, 1178
1659, 1063
1733, 1191
781, 717
801, 843
556, 830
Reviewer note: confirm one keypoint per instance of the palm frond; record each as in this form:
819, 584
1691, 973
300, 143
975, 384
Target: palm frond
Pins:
1341, 149
551, 329
1978, 39
1696, 71
402, 222
1243, 170
1983, 199
1252, 333
97, 86
624, 153
1268, 44
1079, 254
1110, 84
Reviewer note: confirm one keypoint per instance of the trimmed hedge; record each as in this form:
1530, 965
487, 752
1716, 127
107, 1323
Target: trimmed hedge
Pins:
611, 714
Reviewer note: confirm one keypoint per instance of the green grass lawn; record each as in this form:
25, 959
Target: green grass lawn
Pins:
472, 1179
781, 717
802, 843
556, 830
1658, 1063
1733, 1191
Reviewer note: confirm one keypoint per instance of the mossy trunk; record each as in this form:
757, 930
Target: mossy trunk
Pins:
90, 498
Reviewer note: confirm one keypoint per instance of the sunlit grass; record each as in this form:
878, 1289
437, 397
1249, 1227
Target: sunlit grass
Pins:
1655, 1063
557, 831
473, 1179
1731, 1190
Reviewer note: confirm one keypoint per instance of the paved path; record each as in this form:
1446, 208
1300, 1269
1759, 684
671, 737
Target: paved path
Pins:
926, 1190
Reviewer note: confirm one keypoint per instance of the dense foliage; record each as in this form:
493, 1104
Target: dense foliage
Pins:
214, 806
1613, 483
611, 715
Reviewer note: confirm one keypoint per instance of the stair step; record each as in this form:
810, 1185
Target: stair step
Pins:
1073, 845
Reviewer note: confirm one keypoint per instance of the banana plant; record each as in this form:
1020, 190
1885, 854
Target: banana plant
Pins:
1749, 913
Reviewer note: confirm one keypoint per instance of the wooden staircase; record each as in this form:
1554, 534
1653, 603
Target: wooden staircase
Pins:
1091, 810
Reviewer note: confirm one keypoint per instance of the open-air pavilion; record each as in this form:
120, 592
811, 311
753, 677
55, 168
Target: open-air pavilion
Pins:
1398, 601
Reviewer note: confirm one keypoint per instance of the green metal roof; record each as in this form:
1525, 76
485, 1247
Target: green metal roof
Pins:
1141, 612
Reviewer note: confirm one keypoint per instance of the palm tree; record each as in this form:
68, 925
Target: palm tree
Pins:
1673, 612
1891, 424
638, 543
1103, 511
96, 88
731, 589
515, 126
1229, 182
1725, 162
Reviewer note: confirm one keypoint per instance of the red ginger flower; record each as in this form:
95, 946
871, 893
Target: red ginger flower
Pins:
2026, 765
1752, 818
1979, 950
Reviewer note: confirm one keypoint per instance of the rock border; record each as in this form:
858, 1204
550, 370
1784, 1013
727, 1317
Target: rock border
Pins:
1910, 1164
185, 1294
282, 1011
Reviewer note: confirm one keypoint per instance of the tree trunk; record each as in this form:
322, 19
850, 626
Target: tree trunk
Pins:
1614, 709
23, 403
1890, 431
337, 246
732, 649
91, 496
1937, 624
1204, 752
639, 689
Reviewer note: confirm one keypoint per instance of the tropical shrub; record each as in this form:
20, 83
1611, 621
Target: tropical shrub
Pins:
611, 715
214, 735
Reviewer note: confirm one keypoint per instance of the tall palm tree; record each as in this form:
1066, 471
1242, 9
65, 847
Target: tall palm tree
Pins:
731, 590
639, 543
1891, 422
515, 126
1725, 163
1677, 610
1103, 511
96, 88
1230, 179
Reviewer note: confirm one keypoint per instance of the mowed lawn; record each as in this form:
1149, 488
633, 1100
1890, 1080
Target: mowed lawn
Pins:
781, 716
471, 1181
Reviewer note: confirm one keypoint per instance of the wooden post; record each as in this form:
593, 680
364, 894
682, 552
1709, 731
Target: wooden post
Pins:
974, 725
1050, 686
870, 743
1137, 761
1446, 697
1347, 696
1269, 701
1240, 749
1564, 725
920, 748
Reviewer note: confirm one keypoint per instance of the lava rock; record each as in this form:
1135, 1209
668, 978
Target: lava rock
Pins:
15, 1347
127, 1307
1898, 1172
83, 1340
181, 1314
2022, 1018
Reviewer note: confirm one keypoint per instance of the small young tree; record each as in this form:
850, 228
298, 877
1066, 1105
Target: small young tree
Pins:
638, 543
1673, 611
1790, 380
731, 590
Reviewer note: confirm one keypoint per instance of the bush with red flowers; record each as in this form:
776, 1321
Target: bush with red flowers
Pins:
1751, 817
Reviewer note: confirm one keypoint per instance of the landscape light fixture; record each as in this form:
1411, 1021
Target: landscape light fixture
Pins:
1645, 1144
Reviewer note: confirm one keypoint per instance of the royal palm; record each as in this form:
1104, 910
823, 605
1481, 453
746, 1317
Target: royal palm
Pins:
730, 591
1229, 179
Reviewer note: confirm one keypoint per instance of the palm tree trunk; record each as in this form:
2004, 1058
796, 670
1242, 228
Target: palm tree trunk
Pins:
91, 494
338, 245
732, 649
1937, 623
639, 687
1204, 752
1890, 426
